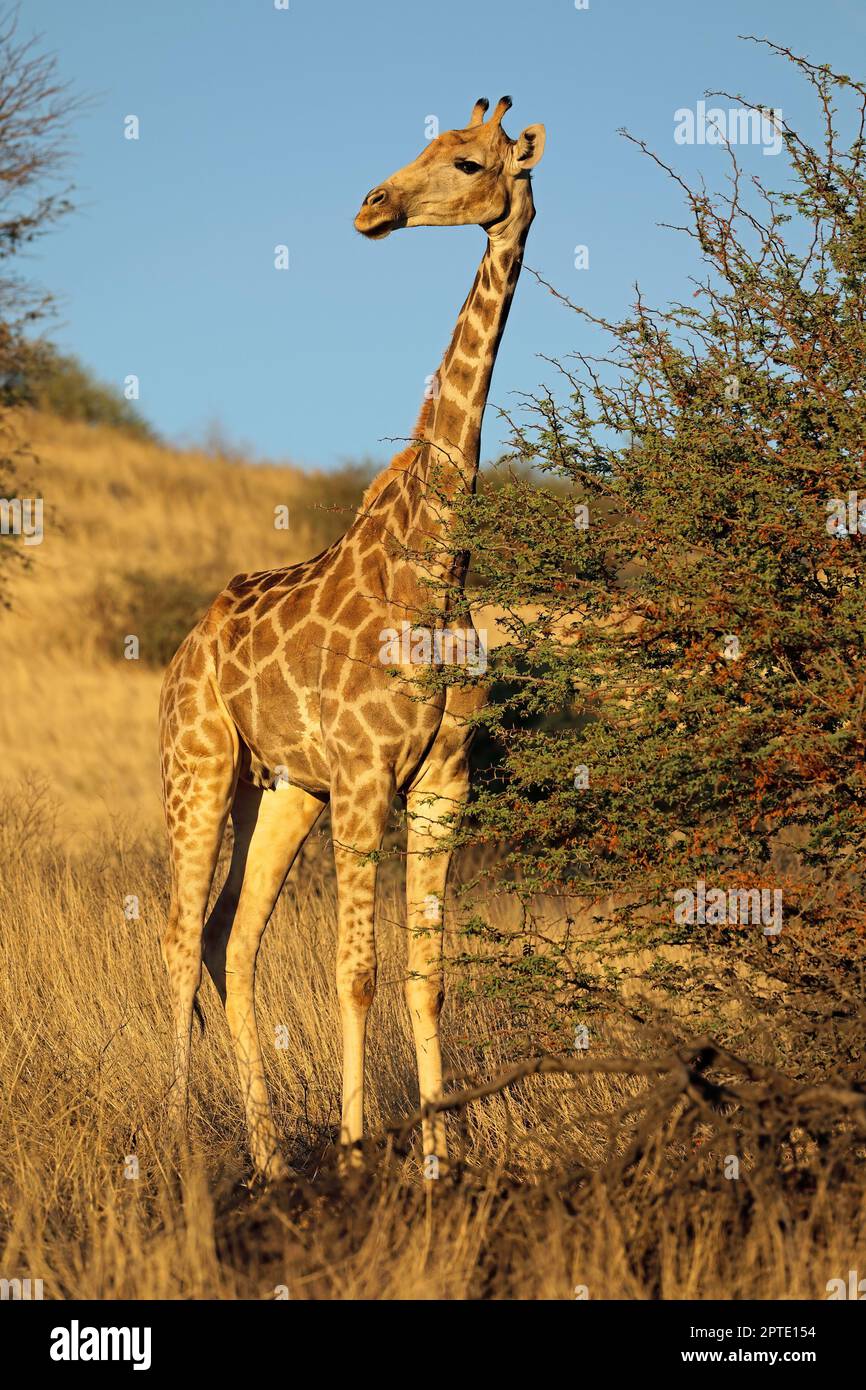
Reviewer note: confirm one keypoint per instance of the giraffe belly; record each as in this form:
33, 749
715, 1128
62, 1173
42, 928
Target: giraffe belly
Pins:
286, 746
302, 756
305, 769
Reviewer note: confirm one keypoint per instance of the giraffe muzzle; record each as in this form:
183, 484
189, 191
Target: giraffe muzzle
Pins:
381, 213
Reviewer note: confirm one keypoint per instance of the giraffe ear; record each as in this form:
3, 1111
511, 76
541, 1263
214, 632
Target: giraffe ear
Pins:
528, 148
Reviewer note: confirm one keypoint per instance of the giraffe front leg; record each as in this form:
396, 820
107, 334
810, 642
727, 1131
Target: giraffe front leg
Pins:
431, 816
358, 825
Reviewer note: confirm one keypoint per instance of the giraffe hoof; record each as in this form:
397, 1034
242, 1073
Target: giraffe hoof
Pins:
350, 1159
273, 1169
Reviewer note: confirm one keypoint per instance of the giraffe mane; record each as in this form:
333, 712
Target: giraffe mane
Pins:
401, 462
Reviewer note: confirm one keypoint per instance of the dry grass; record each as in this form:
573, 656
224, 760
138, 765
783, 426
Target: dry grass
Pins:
85, 1062
544, 1204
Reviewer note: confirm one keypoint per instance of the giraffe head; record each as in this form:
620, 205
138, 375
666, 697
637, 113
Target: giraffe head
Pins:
462, 177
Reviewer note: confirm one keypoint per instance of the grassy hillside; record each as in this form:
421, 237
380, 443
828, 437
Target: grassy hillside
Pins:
138, 537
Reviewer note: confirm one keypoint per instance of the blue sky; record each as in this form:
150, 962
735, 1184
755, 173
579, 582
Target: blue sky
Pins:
261, 126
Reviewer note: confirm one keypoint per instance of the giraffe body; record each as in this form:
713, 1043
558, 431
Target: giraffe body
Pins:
281, 701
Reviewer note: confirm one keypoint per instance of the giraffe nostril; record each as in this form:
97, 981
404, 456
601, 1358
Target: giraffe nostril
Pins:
377, 196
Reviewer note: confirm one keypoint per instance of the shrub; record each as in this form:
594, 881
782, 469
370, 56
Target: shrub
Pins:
60, 384
34, 112
157, 609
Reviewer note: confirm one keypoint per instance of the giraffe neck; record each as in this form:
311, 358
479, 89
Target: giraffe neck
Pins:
452, 428
408, 503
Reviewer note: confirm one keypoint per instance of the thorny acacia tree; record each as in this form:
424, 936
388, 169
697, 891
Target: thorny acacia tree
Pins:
698, 648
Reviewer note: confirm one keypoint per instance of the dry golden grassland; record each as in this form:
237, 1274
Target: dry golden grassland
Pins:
131, 530
611, 1185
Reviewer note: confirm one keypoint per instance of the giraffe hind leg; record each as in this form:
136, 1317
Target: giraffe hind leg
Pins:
221, 919
270, 827
198, 794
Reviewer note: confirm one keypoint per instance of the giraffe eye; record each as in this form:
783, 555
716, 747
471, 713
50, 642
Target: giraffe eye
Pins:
467, 166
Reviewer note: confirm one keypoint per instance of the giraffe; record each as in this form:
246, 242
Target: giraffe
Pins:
278, 702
